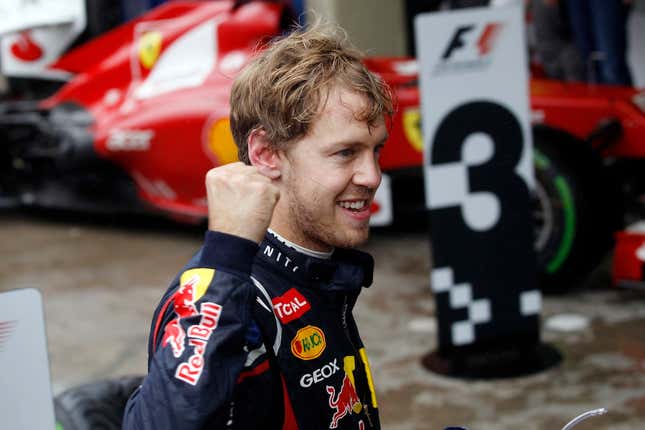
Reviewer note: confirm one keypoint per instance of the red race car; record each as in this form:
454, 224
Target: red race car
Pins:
144, 115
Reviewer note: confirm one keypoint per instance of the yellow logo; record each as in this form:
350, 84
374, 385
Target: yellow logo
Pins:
198, 280
308, 343
412, 128
221, 143
149, 48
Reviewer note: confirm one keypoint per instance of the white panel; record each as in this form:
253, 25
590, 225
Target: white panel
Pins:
481, 211
446, 185
18, 15
461, 295
441, 279
530, 302
467, 74
53, 25
479, 311
463, 332
25, 388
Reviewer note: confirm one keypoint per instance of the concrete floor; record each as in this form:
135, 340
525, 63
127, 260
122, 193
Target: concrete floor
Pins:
101, 281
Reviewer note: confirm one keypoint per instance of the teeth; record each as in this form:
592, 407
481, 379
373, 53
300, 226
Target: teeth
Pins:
353, 205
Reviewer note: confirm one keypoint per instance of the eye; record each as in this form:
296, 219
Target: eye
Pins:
346, 153
378, 149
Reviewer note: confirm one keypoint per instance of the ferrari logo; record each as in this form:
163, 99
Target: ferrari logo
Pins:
149, 48
412, 128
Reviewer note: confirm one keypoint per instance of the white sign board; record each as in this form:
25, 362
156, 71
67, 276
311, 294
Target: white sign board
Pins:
465, 56
478, 172
25, 388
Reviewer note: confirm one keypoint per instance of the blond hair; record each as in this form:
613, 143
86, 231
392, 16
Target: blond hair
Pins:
283, 89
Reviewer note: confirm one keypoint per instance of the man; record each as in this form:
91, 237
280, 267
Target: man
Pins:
599, 29
554, 45
263, 337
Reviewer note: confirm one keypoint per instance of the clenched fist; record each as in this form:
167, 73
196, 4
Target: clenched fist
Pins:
240, 201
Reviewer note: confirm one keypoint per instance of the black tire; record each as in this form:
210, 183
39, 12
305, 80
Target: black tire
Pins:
574, 210
94, 406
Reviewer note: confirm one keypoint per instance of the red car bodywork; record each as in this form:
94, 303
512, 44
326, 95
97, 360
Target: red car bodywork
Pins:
187, 125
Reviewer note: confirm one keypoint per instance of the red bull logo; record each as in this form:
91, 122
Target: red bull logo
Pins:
346, 401
193, 285
198, 334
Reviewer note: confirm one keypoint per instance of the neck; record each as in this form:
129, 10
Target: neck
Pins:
303, 246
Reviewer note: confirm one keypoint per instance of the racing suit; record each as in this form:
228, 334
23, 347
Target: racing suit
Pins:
252, 337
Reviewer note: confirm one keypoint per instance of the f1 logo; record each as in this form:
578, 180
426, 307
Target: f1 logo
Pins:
485, 41
457, 40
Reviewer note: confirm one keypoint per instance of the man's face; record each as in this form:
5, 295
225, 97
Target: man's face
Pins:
329, 177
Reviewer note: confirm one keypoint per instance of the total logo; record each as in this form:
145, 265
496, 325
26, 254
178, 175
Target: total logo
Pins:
469, 48
290, 306
308, 343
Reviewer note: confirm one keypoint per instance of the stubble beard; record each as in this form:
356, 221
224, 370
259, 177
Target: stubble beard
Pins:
307, 218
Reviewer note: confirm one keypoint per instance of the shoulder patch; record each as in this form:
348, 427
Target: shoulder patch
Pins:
198, 280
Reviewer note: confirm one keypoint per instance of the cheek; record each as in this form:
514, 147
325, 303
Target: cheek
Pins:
328, 183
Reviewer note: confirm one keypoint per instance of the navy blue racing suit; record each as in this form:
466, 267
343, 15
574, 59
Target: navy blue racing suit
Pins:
252, 337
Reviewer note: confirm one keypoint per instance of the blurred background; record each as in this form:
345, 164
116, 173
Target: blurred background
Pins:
104, 142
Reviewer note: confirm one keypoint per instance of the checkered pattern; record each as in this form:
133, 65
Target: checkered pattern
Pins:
461, 296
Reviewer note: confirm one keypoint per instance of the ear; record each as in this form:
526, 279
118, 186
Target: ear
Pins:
263, 155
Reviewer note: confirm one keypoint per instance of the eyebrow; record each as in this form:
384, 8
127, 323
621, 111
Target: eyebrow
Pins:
334, 145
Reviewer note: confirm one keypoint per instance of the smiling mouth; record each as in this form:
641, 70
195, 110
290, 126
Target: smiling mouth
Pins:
354, 205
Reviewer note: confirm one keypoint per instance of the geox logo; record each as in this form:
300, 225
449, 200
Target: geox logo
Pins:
469, 48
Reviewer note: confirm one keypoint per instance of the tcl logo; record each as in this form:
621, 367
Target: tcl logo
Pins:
308, 379
290, 306
469, 47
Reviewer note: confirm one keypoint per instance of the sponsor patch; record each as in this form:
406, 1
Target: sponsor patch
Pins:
318, 375
308, 343
202, 279
192, 286
198, 334
346, 401
290, 306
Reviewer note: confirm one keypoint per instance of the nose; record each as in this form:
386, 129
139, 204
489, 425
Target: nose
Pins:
368, 172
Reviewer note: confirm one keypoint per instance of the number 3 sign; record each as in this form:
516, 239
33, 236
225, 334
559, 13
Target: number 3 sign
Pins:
478, 174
